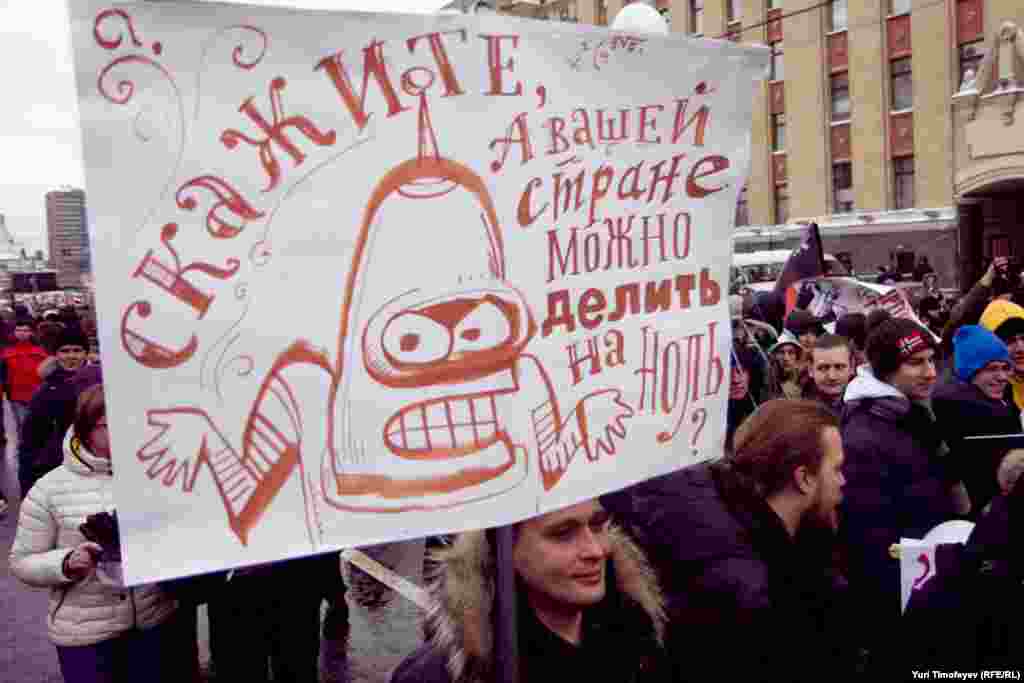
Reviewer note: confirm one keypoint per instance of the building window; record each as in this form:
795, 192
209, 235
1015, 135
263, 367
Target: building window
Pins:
781, 205
902, 84
839, 87
842, 187
903, 182
837, 16
778, 132
899, 7
778, 72
971, 55
697, 17
742, 208
732, 11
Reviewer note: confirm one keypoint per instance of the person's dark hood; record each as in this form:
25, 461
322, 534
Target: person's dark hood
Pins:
690, 502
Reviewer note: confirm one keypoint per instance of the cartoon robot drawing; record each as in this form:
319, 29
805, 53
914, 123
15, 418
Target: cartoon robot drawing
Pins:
431, 400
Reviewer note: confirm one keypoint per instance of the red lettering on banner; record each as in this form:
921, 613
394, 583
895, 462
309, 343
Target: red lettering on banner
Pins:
575, 361
702, 169
614, 342
172, 280
275, 133
147, 352
645, 122
562, 257
526, 218
606, 133
525, 148
230, 199
630, 291
657, 295
375, 66
440, 53
583, 135
620, 242
563, 318
681, 125
497, 68
559, 143
592, 302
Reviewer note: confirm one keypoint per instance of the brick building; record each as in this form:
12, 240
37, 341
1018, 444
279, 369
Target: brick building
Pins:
870, 123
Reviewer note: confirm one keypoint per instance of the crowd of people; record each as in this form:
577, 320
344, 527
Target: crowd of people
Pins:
262, 619
843, 437
774, 562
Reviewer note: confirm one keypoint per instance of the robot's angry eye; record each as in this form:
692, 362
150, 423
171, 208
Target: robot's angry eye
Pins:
485, 327
449, 339
412, 338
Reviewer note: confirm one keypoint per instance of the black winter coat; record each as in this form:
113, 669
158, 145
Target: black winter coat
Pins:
741, 593
961, 410
968, 616
896, 486
50, 414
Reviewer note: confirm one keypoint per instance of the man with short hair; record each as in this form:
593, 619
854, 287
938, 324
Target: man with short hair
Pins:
19, 369
830, 365
589, 608
1006, 320
897, 485
50, 412
971, 404
743, 546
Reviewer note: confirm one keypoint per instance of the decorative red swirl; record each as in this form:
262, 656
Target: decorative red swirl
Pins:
126, 88
239, 51
111, 44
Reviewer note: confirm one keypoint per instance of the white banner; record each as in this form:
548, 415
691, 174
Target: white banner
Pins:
841, 295
368, 277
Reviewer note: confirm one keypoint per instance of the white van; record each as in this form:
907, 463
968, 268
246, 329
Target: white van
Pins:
758, 270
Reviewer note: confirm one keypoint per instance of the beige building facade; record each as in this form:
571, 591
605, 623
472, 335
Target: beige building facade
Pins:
870, 123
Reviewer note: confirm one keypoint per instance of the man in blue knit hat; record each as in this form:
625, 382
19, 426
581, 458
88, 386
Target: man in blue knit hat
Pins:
971, 404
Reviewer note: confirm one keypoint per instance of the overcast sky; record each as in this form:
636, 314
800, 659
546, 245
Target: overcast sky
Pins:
40, 145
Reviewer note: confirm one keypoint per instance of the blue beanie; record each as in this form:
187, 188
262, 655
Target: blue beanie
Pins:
974, 348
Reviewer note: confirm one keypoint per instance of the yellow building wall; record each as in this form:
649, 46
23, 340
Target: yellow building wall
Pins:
760, 186
998, 11
869, 90
807, 135
586, 11
935, 73
614, 6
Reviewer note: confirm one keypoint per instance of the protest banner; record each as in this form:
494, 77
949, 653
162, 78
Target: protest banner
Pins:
366, 277
917, 556
834, 297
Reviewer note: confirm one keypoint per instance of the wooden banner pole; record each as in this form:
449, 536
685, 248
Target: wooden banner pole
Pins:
506, 640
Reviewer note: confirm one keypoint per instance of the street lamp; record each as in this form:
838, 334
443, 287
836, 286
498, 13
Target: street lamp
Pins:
641, 17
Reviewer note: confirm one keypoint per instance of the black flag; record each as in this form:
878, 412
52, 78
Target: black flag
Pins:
806, 260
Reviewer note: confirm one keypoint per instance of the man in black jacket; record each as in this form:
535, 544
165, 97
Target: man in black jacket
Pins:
897, 484
744, 550
50, 412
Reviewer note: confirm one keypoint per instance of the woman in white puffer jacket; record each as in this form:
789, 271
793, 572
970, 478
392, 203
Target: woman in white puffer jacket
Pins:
104, 632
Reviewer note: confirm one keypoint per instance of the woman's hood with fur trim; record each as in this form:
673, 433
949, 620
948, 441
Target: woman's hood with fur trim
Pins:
463, 591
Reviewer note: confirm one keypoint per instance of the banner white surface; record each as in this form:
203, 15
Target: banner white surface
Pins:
366, 277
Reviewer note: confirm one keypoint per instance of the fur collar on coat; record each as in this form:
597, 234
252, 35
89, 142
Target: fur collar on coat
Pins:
459, 624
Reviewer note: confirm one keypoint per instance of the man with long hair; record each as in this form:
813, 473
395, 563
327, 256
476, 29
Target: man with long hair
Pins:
744, 549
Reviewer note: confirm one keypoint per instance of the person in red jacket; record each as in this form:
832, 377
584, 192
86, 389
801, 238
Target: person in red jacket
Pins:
19, 364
